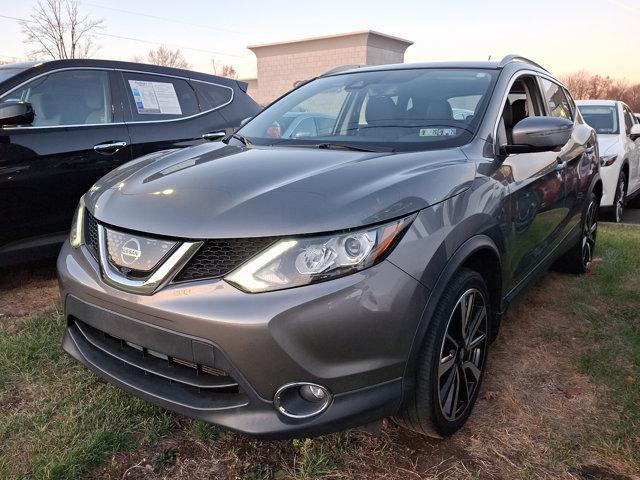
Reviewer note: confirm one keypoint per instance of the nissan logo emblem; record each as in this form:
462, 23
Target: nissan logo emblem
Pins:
130, 251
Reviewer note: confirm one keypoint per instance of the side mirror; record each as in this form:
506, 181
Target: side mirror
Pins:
635, 132
539, 134
16, 113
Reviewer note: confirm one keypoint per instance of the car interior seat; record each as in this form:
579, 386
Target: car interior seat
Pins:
96, 106
518, 111
381, 116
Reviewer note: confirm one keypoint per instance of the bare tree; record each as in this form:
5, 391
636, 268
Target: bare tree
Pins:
164, 56
57, 29
223, 69
228, 71
584, 86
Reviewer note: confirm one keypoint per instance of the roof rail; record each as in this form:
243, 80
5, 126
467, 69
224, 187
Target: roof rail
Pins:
519, 58
342, 68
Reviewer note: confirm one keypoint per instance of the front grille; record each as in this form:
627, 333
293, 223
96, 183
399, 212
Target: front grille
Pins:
171, 379
214, 259
218, 257
91, 233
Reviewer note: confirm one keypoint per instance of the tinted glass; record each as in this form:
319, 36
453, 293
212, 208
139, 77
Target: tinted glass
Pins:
72, 97
628, 120
212, 96
602, 118
6, 73
409, 109
556, 100
156, 97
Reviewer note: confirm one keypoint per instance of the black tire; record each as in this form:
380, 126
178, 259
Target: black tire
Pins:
445, 360
619, 201
578, 259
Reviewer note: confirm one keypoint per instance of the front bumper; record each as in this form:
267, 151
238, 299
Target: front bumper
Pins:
351, 335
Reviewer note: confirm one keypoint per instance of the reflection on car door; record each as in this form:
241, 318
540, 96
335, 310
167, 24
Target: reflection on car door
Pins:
536, 199
633, 147
77, 137
575, 159
164, 112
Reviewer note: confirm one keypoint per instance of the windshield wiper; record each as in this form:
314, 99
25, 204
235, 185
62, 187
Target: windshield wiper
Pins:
358, 148
337, 146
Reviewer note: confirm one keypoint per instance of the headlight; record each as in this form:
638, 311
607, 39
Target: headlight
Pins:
292, 262
606, 160
76, 235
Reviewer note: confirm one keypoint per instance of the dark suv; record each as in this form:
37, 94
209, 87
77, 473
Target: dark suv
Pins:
66, 123
296, 284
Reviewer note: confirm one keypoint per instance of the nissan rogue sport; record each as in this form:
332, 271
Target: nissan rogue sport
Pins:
299, 284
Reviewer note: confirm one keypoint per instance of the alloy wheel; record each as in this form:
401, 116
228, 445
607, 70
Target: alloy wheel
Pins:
589, 233
462, 354
619, 205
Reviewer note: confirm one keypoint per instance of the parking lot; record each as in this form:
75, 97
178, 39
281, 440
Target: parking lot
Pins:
560, 401
319, 242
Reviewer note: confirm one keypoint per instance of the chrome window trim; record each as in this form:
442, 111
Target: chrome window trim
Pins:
512, 80
137, 122
161, 276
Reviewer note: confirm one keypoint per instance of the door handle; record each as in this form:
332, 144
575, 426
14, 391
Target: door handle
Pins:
214, 136
109, 147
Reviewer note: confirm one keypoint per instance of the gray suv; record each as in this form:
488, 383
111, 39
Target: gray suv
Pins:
292, 285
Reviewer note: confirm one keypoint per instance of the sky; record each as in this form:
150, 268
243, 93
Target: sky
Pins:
601, 36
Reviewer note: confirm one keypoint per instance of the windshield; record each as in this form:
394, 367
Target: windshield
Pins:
399, 110
602, 118
6, 73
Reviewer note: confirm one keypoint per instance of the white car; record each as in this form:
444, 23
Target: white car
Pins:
618, 132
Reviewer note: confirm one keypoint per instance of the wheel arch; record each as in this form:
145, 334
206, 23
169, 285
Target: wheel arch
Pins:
625, 169
479, 253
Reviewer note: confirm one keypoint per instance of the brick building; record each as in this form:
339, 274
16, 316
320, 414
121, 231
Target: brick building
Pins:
282, 65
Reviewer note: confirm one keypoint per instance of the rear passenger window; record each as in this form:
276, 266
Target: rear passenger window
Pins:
212, 96
556, 100
156, 97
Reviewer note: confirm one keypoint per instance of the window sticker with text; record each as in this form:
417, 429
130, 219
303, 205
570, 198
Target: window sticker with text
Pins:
155, 97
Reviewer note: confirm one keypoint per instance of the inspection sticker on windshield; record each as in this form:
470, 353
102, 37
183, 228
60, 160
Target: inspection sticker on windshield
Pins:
155, 97
438, 132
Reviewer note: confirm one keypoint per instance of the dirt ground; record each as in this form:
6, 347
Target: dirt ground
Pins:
26, 290
533, 406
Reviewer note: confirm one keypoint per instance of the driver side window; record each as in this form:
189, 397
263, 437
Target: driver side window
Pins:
523, 100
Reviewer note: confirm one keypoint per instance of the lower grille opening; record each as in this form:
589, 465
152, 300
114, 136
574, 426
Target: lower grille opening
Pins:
172, 379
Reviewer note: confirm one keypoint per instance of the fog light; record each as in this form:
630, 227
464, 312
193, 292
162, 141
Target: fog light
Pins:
312, 393
302, 399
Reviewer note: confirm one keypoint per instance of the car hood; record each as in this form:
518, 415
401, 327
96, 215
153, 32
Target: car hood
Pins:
223, 191
608, 144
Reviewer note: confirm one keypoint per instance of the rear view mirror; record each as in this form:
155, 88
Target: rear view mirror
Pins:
16, 113
539, 134
635, 132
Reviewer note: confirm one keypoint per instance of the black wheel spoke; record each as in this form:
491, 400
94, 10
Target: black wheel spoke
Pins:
478, 320
473, 368
451, 401
477, 341
446, 364
589, 234
462, 354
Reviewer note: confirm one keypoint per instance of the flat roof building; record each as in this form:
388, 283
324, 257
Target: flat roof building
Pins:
280, 66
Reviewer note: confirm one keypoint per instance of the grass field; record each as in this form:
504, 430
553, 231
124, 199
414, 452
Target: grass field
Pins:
561, 400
